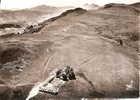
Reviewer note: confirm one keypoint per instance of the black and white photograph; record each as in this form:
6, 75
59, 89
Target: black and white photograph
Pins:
69, 49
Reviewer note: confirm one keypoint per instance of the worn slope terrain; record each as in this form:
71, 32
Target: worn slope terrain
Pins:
15, 21
100, 45
135, 5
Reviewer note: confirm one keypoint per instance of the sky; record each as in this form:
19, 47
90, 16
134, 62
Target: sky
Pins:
21, 4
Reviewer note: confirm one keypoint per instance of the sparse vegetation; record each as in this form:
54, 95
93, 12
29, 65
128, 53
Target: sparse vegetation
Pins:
85, 39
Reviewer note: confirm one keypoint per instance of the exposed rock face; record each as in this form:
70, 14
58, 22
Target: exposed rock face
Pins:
101, 45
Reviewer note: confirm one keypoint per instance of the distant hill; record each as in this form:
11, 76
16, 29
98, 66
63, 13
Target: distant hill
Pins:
91, 6
136, 5
122, 8
27, 17
45, 8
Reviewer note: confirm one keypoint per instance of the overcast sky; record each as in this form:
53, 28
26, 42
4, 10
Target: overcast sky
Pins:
20, 4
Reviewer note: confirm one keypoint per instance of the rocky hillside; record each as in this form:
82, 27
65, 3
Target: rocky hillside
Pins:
135, 5
26, 17
100, 45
